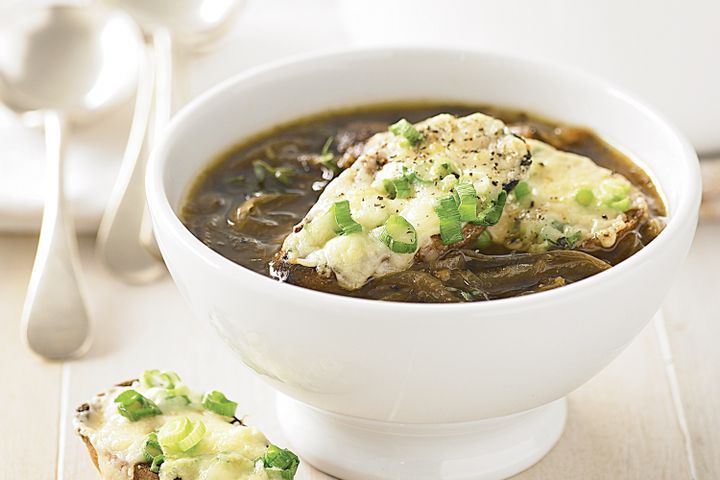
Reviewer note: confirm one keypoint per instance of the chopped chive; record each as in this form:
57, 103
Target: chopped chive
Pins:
405, 129
584, 197
399, 235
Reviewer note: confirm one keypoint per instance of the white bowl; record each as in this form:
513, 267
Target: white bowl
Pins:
391, 390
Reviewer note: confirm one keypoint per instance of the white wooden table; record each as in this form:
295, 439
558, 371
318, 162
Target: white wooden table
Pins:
654, 413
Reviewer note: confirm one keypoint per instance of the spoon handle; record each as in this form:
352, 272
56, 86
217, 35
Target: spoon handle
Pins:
163, 108
119, 242
55, 321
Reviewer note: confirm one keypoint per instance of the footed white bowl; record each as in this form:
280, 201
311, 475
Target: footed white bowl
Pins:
381, 390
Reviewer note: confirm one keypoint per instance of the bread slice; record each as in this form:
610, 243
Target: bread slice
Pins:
120, 434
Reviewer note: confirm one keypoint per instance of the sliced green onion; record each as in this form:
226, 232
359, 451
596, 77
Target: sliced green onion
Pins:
152, 451
484, 240
281, 460
405, 129
180, 434
345, 223
622, 204
446, 168
217, 402
398, 187
156, 378
491, 214
134, 406
450, 224
399, 235
174, 402
467, 201
413, 177
156, 463
521, 190
584, 197
193, 437
557, 233
572, 239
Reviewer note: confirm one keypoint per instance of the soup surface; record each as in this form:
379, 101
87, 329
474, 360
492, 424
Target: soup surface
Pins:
247, 202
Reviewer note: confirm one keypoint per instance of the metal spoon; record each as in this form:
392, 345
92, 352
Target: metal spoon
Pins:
125, 240
65, 63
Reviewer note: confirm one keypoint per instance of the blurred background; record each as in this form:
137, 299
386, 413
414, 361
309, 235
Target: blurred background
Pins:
666, 55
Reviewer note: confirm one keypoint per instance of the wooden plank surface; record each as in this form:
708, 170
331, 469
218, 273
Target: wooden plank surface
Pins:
621, 425
693, 323
30, 399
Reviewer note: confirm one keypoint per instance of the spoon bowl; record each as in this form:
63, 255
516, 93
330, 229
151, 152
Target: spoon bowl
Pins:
69, 59
193, 23
63, 63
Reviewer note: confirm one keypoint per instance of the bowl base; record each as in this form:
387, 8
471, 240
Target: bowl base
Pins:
352, 448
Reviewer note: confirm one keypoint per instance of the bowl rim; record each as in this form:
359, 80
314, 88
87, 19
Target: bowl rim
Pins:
165, 217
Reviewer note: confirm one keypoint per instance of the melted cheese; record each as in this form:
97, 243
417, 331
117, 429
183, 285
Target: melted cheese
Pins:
479, 148
227, 451
531, 223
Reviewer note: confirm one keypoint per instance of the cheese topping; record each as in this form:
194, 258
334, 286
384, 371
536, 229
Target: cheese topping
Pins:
476, 149
570, 201
227, 449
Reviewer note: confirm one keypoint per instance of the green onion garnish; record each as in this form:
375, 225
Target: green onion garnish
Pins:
413, 177
152, 451
450, 224
398, 187
466, 199
134, 406
572, 239
622, 204
180, 434
584, 197
156, 378
484, 240
521, 190
345, 223
399, 235
217, 402
405, 129
490, 215
281, 460
281, 174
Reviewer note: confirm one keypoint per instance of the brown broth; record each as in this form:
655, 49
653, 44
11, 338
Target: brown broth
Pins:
216, 209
